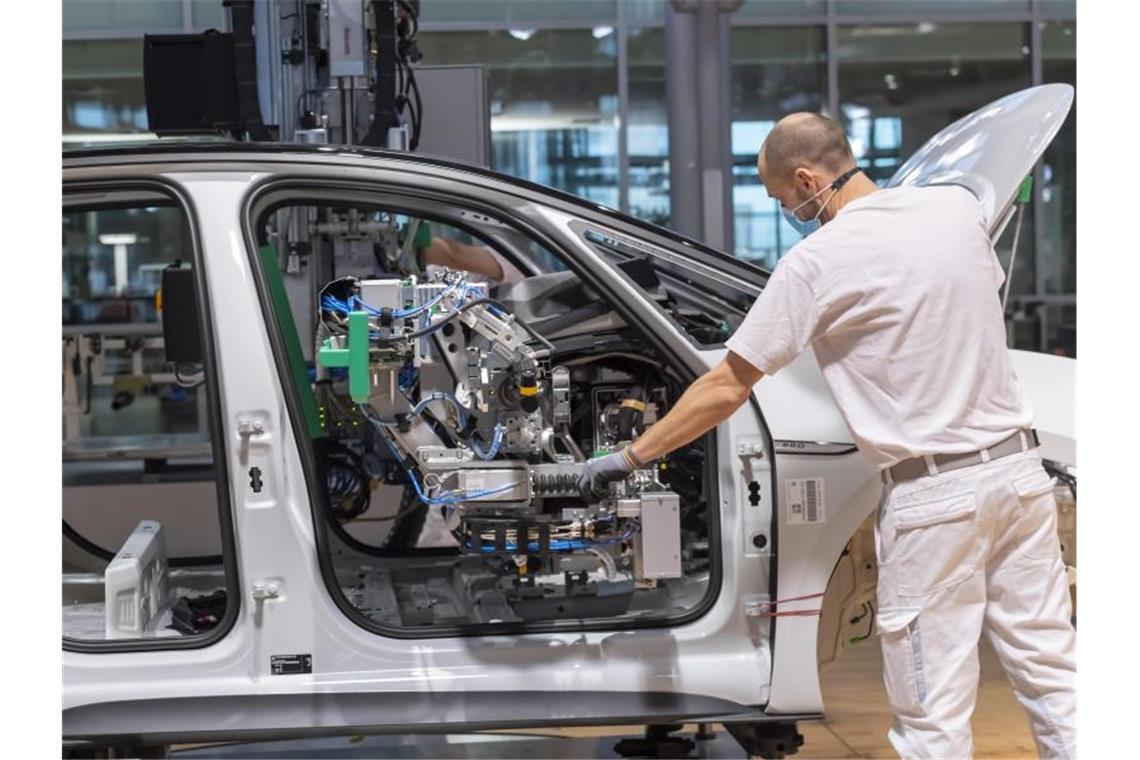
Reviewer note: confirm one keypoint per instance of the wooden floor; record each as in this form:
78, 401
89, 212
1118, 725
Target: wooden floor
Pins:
858, 717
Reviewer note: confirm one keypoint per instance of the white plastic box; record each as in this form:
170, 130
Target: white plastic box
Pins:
135, 583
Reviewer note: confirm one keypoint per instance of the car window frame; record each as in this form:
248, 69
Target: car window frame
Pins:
92, 194
258, 199
585, 230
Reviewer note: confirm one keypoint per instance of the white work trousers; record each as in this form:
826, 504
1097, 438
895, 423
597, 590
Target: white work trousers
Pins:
962, 553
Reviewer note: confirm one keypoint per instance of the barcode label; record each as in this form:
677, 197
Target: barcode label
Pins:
805, 501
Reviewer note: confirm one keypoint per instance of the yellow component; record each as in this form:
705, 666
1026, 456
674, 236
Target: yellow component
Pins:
528, 390
522, 566
136, 384
632, 403
158, 299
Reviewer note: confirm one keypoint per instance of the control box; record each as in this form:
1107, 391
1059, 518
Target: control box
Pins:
134, 584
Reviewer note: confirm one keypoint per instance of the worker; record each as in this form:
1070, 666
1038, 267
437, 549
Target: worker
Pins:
896, 291
480, 260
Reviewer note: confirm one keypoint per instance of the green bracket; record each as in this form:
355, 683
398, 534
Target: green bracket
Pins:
423, 234
355, 357
284, 313
1025, 192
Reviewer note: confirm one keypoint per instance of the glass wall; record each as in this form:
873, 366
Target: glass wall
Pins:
1059, 169
1058, 198
564, 74
103, 88
899, 84
648, 133
775, 71
564, 136
894, 73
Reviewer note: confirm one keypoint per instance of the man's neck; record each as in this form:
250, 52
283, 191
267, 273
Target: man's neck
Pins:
857, 187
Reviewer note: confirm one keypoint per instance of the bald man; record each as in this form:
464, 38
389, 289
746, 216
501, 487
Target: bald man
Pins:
896, 291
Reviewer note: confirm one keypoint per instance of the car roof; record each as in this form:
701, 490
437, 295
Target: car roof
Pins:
206, 151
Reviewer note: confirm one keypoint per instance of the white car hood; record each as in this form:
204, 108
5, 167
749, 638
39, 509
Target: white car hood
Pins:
990, 151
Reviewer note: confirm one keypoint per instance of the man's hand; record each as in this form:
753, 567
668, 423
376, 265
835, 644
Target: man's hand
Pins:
599, 473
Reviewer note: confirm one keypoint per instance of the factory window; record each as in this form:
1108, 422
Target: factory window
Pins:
766, 9
901, 84
518, 12
103, 91
1058, 189
118, 16
648, 131
141, 521
775, 71
976, 8
565, 136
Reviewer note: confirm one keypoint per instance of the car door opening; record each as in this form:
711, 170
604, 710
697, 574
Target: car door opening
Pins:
454, 411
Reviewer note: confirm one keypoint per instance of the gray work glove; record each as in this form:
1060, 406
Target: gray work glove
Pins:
599, 473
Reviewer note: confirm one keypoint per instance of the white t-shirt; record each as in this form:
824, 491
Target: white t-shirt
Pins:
898, 296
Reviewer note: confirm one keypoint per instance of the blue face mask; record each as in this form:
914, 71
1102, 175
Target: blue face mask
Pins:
807, 226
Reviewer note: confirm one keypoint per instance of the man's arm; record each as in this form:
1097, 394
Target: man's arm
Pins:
470, 258
708, 402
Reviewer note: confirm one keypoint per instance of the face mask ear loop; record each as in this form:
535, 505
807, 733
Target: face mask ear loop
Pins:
821, 191
836, 186
830, 198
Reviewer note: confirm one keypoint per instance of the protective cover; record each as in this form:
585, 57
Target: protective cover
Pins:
990, 151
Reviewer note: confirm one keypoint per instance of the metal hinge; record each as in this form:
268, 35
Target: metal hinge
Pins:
759, 606
248, 427
262, 591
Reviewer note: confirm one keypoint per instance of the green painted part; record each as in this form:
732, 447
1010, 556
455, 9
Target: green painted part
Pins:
423, 234
330, 356
358, 385
1025, 192
284, 313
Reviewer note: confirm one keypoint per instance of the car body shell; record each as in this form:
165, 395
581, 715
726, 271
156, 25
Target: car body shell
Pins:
731, 663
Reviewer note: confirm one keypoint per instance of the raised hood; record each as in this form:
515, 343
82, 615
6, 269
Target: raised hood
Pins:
990, 151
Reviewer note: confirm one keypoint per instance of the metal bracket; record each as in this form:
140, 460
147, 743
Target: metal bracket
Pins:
247, 428
750, 450
757, 607
262, 590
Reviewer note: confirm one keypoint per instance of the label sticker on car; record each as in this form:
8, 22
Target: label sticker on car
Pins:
290, 664
805, 501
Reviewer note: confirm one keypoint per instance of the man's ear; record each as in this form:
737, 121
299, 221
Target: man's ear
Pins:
804, 179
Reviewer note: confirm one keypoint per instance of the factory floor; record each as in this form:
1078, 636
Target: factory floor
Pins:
858, 716
856, 727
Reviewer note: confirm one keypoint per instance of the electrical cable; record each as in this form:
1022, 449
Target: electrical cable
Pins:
448, 497
496, 443
389, 339
347, 480
188, 383
418, 409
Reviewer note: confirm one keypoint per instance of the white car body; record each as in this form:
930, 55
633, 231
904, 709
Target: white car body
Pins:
733, 663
